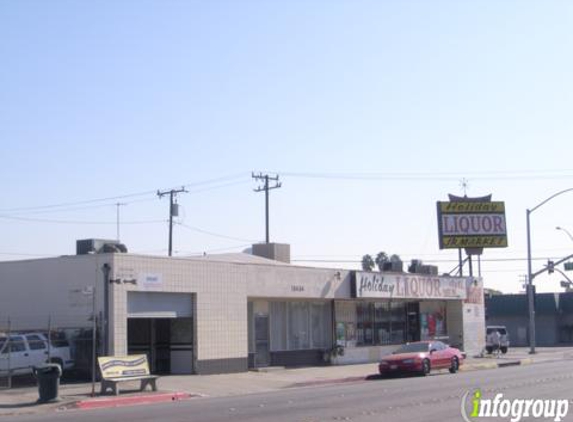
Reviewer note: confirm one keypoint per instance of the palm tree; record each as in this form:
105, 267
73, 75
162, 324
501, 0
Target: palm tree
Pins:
381, 259
367, 263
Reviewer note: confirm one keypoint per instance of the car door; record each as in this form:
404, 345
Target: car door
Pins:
16, 355
435, 355
440, 356
38, 349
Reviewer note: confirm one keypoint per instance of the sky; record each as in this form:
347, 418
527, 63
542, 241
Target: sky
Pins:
368, 111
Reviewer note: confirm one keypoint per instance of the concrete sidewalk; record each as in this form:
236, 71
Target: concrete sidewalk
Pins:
180, 387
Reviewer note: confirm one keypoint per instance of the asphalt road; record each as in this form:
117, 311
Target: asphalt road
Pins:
434, 398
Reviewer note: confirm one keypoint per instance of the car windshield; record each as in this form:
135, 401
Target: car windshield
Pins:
58, 339
412, 348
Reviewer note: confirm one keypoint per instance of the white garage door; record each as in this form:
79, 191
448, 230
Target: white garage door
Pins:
159, 305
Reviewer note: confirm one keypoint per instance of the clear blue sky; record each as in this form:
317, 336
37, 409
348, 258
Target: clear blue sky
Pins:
394, 101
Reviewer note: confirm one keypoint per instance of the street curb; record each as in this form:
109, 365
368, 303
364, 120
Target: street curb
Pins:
328, 381
98, 403
463, 368
494, 365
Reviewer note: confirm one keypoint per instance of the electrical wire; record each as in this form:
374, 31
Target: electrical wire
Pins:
436, 176
197, 229
41, 220
217, 250
431, 261
68, 204
65, 206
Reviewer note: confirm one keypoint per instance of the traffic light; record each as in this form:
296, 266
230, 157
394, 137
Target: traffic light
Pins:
550, 267
568, 266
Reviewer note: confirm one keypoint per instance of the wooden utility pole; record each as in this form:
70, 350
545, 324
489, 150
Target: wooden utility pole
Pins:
266, 188
173, 211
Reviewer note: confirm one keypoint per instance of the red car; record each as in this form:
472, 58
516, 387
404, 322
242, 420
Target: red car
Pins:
421, 357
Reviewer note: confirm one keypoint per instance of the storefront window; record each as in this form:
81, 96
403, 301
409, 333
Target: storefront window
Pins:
398, 322
278, 325
365, 326
380, 323
299, 325
345, 315
320, 319
433, 321
298, 336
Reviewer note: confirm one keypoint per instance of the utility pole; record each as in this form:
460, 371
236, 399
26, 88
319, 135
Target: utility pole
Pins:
118, 204
173, 211
266, 188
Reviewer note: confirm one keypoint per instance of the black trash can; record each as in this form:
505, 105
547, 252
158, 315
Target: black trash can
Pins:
48, 382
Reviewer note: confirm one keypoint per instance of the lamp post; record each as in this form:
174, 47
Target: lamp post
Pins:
529, 272
566, 232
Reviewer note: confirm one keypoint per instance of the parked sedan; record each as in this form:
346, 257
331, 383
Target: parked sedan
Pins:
421, 357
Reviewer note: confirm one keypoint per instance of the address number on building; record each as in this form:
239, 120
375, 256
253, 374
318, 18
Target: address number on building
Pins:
297, 288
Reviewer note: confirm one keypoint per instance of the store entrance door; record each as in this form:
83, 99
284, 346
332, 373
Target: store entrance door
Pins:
413, 321
167, 342
262, 350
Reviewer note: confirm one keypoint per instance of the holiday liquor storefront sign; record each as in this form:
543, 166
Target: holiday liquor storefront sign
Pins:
472, 224
408, 286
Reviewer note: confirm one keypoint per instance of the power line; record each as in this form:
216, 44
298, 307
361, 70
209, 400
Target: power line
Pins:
208, 251
196, 229
215, 180
50, 221
114, 204
114, 199
435, 261
67, 204
437, 176
90, 207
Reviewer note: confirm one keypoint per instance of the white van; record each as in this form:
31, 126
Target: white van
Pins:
20, 353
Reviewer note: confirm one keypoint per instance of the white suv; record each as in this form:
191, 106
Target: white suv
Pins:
496, 337
20, 353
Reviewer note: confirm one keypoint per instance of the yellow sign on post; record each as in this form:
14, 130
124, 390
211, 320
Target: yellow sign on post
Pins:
472, 224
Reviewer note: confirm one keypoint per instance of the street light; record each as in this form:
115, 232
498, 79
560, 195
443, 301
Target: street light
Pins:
529, 272
564, 230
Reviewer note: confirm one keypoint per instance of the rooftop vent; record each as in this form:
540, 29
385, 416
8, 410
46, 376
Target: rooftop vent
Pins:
277, 251
89, 246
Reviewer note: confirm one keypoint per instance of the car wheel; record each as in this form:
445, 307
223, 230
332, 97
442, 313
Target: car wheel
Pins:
489, 350
426, 368
503, 350
455, 365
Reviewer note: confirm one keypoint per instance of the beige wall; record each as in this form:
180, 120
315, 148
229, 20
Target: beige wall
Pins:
281, 281
33, 291
220, 300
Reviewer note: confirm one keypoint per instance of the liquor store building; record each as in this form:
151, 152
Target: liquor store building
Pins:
227, 313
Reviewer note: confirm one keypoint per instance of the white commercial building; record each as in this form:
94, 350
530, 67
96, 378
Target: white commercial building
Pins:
226, 313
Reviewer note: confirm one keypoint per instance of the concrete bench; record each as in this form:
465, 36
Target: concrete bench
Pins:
118, 369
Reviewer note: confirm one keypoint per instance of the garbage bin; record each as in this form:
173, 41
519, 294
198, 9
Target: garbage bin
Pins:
48, 381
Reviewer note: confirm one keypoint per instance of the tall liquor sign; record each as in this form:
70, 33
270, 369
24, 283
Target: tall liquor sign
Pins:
472, 224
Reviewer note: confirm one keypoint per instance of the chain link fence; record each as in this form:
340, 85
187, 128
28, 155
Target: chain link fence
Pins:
31, 341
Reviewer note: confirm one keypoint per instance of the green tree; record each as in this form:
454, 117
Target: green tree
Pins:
367, 263
380, 260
